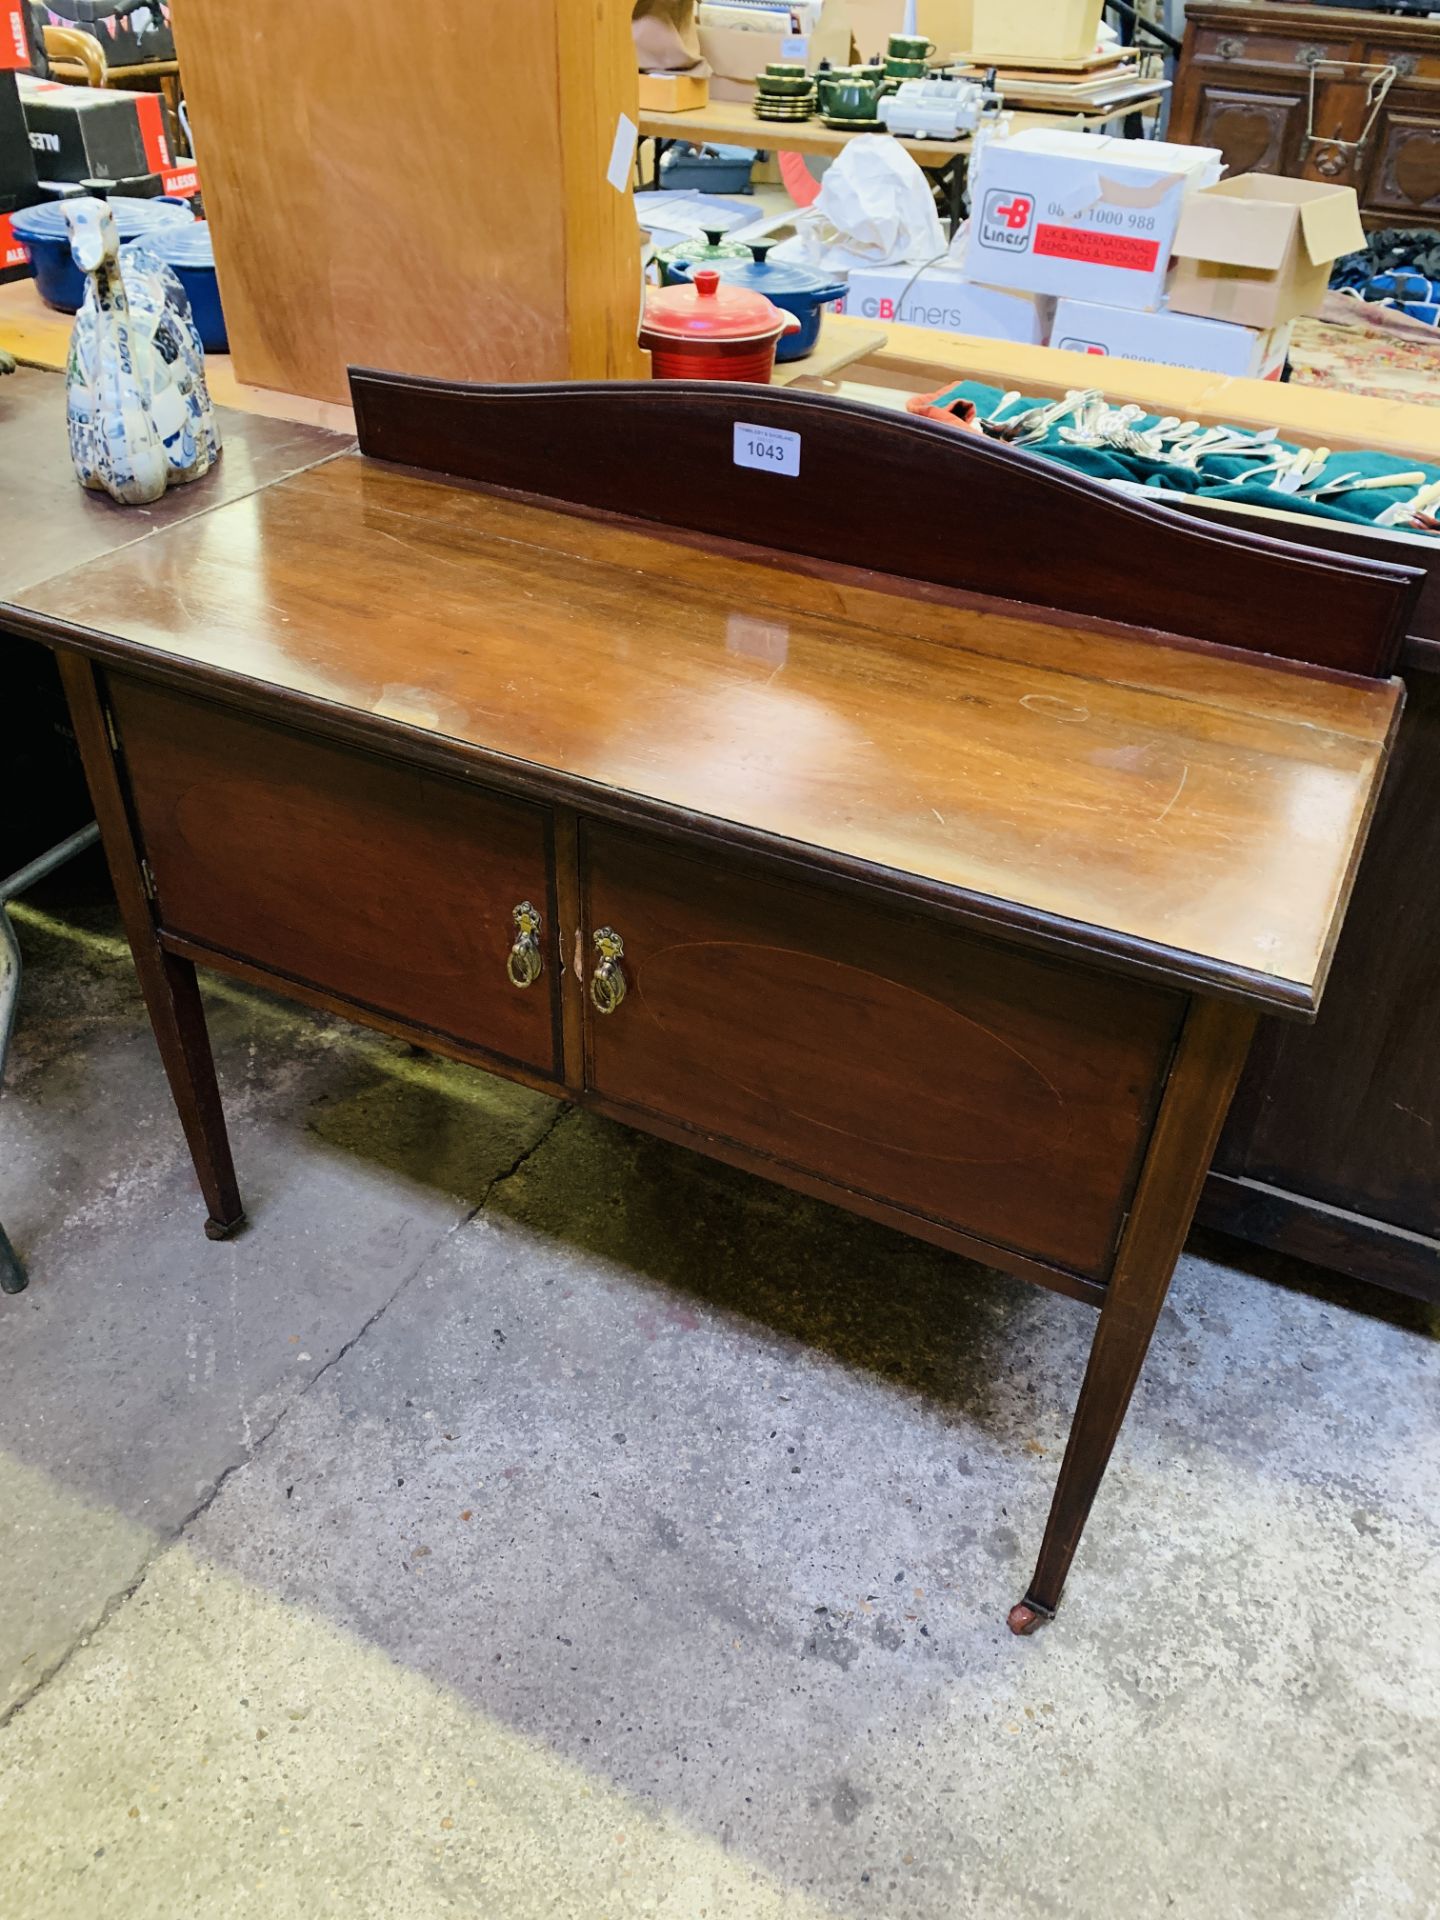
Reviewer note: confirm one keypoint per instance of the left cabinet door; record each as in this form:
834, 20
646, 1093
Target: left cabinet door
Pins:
389, 887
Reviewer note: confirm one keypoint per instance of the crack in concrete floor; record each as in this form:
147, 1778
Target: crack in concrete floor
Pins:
163, 1541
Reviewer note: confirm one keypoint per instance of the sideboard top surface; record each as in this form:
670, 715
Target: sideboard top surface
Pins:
1207, 805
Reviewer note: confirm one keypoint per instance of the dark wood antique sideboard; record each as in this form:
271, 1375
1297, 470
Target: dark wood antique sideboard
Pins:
1332, 1148
1251, 69
869, 805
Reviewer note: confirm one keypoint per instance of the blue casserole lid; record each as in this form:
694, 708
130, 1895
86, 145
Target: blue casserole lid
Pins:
132, 218
190, 245
770, 277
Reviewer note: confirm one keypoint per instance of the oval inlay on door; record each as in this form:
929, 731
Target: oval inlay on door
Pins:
991, 1107
875, 1050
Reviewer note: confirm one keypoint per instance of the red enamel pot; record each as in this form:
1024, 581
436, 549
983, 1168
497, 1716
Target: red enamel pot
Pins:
707, 330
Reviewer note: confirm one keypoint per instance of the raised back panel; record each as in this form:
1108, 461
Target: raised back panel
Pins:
896, 494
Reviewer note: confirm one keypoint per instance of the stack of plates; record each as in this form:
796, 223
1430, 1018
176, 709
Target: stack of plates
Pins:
767, 107
784, 93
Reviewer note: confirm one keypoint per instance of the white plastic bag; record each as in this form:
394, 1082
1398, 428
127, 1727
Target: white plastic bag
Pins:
875, 208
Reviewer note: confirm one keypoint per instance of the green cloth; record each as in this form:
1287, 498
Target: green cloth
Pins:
1215, 476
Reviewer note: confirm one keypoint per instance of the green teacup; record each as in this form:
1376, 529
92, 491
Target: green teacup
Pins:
909, 46
905, 69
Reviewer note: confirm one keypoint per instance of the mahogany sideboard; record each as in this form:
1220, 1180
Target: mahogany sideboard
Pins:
1330, 1151
560, 731
1250, 68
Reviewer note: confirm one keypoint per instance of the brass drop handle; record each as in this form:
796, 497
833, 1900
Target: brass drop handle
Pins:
525, 962
607, 983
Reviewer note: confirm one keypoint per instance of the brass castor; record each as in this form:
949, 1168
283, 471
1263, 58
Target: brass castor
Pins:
1025, 1616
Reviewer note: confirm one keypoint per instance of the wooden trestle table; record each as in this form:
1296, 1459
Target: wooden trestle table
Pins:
906, 819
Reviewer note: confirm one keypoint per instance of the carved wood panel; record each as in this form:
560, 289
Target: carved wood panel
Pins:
1280, 50
1243, 84
1403, 176
1256, 132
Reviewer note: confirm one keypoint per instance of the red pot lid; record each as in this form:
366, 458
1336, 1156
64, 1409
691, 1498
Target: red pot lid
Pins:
708, 309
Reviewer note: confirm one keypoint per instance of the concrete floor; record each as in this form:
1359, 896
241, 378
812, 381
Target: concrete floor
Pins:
526, 1518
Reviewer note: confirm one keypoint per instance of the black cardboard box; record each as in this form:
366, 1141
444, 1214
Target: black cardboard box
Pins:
83, 133
17, 162
142, 34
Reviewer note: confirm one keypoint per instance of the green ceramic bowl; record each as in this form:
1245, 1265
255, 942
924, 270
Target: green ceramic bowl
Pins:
777, 89
906, 69
787, 70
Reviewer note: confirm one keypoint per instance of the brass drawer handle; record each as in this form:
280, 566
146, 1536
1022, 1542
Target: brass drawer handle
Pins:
607, 983
525, 962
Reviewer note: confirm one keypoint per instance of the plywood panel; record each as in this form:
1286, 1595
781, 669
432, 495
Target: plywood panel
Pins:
422, 191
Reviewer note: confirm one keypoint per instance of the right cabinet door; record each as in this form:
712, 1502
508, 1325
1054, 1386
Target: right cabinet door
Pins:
992, 1090
1402, 174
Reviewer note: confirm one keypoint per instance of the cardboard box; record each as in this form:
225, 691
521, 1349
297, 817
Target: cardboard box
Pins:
15, 54
1171, 340
736, 54
14, 254
1258, 250
941, 297
181, 181
82, 133
871, 23
18, 185
1036, 29
1080, 215
673, 92
949, 23
136, 186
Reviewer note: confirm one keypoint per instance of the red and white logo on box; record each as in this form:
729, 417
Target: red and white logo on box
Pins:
1097, 249
13, 252
148, 111
15, 44
180, 182
1006, 220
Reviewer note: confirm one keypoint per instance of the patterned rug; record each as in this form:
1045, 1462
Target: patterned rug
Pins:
1357, 357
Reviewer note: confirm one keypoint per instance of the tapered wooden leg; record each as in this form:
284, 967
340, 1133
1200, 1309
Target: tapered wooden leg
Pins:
172, 995
168, 983
1212, 1050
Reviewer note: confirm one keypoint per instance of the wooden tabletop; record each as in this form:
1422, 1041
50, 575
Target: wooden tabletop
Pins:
732, 123
49, 522
1205, 803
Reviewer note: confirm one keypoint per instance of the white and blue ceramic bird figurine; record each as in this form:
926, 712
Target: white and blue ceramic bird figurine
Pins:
139, 411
